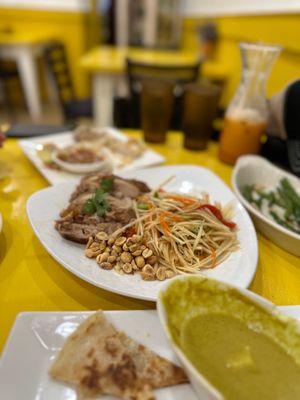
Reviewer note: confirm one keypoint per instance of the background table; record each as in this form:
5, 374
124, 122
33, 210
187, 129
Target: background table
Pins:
30, 280
24, 48
107, 65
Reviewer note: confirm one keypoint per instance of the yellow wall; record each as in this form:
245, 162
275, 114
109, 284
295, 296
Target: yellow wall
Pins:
66, 26
277, 29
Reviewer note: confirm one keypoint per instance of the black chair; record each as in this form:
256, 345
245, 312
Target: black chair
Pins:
8, 74
127, 111
72, 107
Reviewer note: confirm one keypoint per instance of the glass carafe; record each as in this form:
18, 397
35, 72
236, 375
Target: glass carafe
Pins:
246, 116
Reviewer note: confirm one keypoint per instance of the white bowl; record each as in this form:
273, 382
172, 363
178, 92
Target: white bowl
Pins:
104, 165
255, 169
204, 389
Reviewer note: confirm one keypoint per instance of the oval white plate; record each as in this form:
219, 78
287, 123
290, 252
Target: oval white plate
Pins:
43, 209
255, 169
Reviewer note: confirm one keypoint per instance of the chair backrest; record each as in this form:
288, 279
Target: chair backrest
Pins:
56, 59
179, 74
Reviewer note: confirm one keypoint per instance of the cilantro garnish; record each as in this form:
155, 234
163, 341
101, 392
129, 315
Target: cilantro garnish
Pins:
98, 202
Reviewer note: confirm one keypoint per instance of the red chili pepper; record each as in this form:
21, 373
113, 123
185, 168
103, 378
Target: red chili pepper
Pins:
217, 213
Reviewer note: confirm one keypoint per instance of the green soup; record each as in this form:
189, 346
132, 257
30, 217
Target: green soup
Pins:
244, 351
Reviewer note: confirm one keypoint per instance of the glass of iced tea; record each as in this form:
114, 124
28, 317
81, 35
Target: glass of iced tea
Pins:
157, 99
199, 110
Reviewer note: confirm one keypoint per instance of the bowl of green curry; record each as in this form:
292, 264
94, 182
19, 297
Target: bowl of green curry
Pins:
233, 344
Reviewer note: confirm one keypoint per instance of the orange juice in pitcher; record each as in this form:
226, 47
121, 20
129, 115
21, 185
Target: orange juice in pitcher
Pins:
246, 116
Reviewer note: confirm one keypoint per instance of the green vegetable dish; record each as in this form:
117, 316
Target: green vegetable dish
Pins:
282, 204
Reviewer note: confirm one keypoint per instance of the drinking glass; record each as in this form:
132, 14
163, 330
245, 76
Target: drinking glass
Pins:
200, 108
157, 100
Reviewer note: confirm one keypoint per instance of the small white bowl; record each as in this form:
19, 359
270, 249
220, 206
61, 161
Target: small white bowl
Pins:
105, 165
254, 169
204, 389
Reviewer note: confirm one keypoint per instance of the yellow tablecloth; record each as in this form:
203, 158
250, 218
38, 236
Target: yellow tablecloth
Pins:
30, 280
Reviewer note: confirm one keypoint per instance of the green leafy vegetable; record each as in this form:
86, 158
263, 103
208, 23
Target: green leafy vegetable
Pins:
283, 203
98, 202
89, 207
143, 206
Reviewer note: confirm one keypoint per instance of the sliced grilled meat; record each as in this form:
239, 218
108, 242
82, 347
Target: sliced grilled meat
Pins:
76, 226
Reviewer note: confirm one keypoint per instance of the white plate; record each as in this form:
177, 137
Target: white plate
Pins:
254, 169
43, 208
30, 146
37, 337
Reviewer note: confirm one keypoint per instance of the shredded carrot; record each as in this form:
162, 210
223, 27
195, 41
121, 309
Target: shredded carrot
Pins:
182, 199
172, 215
164, 225
214, 258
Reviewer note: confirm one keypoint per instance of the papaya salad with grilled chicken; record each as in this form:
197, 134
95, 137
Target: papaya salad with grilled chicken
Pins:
160, 235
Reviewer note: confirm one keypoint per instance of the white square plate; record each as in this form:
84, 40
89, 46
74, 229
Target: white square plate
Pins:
43, 209
30, 146
36, 338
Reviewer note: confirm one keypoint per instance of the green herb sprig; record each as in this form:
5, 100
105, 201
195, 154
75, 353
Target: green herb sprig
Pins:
98, 202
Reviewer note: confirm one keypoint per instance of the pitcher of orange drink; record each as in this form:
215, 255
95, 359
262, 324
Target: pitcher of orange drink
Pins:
246, 116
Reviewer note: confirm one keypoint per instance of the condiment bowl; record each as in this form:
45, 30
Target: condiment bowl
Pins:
204, 389
105, 165
257, 170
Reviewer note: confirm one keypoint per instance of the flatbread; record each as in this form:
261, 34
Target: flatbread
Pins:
98, 359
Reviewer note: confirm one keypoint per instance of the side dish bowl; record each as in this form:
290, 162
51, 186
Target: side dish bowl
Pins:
199, 295
256, 170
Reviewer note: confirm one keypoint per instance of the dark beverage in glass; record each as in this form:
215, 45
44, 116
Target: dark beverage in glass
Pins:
200, 108
157, 100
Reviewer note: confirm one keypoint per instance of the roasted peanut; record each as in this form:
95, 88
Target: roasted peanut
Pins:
161, 273
134, 247
111, 259
90, 253
90, 241
127, 268
111, 241
140, 262
102, 257
120, 241
136, 238
102, 235
106, 265
152, 259
137, 252
102, 246
126, 257
117, 248
147, 273
134, 266
94, 246
147, 253
169, 274
125, 247
148, 269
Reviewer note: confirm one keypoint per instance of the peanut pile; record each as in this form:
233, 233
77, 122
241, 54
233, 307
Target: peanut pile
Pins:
126, 255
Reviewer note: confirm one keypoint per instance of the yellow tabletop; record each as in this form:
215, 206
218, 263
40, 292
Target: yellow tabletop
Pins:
111, 60
14, 38
30, 280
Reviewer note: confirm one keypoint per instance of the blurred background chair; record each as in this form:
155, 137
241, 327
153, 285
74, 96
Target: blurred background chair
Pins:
127, 110
9, 78
57, 63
